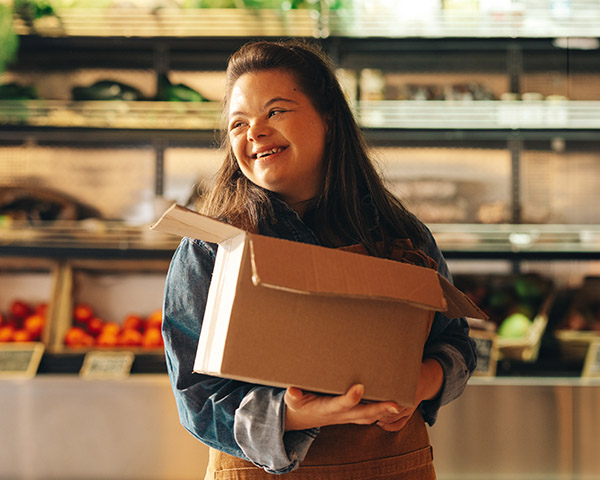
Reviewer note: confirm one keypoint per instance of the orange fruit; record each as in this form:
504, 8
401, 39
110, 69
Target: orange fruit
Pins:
74, 337
22, 335
133, 322
130, 337
111, 327
95, 326
6, 333
107, 340
152, 338
82, 312
34, 324
154, 320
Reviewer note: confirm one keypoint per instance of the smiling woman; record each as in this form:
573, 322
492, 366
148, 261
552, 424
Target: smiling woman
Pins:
296, 167
277, 136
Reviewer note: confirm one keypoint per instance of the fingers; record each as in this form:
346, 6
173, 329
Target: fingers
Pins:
393, 426
351, 398
294, 394
307, 409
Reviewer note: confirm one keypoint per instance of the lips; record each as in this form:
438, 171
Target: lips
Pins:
266, 153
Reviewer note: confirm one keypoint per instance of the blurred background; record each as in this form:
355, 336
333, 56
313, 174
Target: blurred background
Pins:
483, 116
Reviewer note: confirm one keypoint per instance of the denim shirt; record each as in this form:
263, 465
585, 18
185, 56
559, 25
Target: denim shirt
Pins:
247, 420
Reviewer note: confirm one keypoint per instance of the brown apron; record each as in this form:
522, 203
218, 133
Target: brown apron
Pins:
347, 452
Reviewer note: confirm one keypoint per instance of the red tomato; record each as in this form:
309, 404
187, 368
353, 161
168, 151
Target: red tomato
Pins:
34, 324
95, 326
6, 333
82, 313
22, 335
20, 309
133, 322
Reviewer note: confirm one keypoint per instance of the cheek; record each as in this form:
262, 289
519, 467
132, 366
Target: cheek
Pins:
238, 148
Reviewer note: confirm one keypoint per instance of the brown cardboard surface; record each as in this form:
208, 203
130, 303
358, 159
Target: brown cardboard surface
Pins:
312, 269
283, 313
323, 343
184, 222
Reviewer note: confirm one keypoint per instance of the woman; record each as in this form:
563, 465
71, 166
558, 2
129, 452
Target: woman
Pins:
297, 168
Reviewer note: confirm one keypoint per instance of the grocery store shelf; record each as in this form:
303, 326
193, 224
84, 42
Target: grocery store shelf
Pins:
392, 115
518, 241
85, 239
110, 239
386, 20
170, 22
479, 115
516, 21
111, 114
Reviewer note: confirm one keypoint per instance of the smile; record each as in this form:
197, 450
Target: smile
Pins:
268, 152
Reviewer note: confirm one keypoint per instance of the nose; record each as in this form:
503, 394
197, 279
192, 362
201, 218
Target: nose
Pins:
257, 130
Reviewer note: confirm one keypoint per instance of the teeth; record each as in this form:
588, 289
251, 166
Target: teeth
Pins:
270, 152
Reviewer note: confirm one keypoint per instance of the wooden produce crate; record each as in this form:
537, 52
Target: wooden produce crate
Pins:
27, 289
110, 305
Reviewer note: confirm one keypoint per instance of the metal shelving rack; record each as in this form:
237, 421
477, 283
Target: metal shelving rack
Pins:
510, 41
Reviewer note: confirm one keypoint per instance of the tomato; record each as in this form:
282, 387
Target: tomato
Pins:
152, 338
6, 333
34, 324
133, 322
20, 309
82, 313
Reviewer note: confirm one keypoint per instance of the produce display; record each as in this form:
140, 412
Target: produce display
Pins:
90, 331
583, 311
113, 90
511, 302
35, 204
459, 92
107, 90
16, 91
169, 92
23, 322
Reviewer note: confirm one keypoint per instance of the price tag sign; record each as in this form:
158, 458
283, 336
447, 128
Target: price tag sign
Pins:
487, 353
591, 367
106, 365
20, 359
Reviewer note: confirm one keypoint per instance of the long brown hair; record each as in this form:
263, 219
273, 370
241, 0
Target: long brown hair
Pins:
338, 215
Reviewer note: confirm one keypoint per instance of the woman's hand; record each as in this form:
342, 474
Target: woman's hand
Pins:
430, 382
308, 410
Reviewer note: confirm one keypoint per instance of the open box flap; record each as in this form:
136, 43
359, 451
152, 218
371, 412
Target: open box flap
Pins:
309, 269
184, 222
459, 305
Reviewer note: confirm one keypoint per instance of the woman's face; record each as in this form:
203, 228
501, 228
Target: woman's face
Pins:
277, 135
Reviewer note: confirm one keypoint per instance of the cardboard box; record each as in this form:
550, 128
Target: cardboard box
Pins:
283, 313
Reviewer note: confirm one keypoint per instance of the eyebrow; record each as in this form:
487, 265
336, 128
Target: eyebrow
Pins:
267, 105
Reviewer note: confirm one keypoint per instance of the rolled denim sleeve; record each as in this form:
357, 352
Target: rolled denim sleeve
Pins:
448, 343
256, 425
238, 418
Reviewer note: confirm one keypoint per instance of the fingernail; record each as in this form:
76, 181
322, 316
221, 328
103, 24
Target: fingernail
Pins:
393, 410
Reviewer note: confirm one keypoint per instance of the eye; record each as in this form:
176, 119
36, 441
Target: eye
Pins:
235, 125
276, 111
